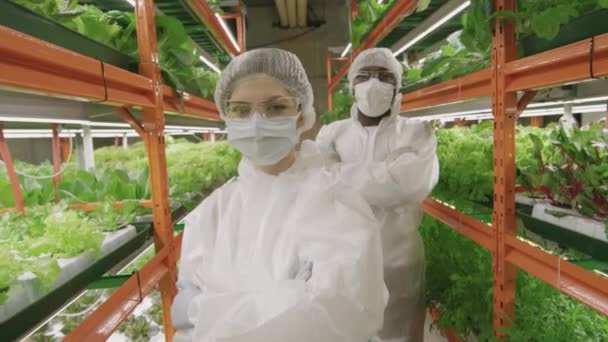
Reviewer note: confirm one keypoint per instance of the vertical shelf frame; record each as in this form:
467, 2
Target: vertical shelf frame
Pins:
504, 221
154, 125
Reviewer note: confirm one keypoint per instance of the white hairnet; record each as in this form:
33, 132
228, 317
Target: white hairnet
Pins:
378, 57
281, 65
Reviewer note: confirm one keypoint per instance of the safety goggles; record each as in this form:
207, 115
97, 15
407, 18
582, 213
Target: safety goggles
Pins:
275, 107
381, 75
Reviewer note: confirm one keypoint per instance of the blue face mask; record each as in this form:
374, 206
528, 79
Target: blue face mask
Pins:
264, 141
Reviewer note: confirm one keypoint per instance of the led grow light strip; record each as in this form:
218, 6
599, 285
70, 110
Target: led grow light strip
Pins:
487, 114
228, 32
432, 28
209, 64
583, 100
346, 49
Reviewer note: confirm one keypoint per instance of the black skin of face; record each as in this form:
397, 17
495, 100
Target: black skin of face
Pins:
367, 121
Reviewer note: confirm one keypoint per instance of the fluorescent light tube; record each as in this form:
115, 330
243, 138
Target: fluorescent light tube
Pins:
346, 50
228, 32
209, 64
432, 28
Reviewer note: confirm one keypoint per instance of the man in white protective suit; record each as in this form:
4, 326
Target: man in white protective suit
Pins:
376, 135
285, 253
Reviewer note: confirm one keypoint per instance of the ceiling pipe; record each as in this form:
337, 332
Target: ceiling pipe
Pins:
282, 9
302, 13
292, 15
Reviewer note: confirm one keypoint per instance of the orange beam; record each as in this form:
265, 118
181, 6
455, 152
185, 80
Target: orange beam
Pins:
504, 109
205, 14
94, 205
56, 161
475, 230
585, 286
399, 10
65, 149
573, 61
100, 325
475, 85
189, 105
354, 9
5, 153
525, 101
154, 125
241, 27
132, 121
600, 56
31, 65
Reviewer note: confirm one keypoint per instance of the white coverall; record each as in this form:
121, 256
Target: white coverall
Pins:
408, 149
243, 242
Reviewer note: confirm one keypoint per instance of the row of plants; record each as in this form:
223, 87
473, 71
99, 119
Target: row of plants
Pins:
469, 50
460, 284
567, 166
34, 241
179, 57
145, 324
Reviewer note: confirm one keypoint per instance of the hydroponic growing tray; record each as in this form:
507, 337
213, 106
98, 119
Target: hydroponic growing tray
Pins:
28, 317
23, 20
597, 249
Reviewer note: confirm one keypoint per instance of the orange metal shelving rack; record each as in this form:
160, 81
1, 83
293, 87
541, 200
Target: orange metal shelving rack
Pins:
583, 60
31, 65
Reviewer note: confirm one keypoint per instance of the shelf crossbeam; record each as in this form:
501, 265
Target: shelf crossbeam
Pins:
475, 230
475, 85
580, 284
31, 65
578, 61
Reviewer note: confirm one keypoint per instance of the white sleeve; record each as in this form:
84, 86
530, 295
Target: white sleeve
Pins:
326, 142
343, 301
202, 217
407, 175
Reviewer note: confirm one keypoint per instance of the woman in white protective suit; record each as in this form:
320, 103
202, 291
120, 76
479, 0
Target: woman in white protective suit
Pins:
374, 136
285, 253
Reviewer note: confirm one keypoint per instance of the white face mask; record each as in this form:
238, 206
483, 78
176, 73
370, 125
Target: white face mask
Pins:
374, 98
264, 141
